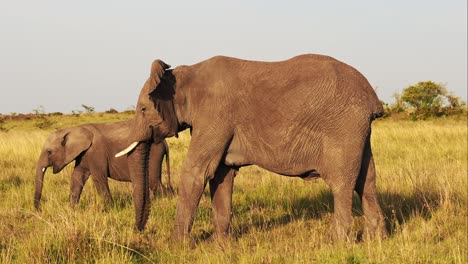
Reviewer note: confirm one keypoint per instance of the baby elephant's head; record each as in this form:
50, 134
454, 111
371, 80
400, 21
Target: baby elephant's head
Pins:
60, 148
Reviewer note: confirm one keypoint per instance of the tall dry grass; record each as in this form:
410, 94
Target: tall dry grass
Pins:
422, 185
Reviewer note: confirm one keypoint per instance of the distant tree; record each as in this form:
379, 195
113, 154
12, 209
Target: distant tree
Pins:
454, 105
426, 98
40, 110
398, 106
430, 99
88, 109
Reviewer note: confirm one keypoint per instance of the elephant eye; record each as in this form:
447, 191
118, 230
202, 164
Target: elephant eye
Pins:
49, 152
143, 109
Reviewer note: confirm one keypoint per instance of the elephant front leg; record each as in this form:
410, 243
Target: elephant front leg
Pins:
221, 187
78, 180
202, 160
190, 191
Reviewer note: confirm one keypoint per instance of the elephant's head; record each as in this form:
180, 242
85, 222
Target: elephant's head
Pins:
60, 148
155, 119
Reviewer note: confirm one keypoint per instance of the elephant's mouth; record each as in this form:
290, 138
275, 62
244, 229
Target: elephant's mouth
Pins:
56, 168
127, 150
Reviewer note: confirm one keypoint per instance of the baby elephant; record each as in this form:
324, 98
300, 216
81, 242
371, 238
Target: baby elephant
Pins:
92, 147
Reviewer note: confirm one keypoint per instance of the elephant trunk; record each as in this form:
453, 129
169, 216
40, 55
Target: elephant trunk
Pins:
40, 171
139, 159
168, 165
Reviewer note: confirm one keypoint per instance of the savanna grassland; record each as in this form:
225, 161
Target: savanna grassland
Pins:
422, 185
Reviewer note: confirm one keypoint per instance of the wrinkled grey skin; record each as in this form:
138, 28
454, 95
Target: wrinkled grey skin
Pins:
305, 117
92, 147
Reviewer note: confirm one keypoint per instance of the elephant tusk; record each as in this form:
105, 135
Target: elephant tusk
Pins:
43, 169
127, 150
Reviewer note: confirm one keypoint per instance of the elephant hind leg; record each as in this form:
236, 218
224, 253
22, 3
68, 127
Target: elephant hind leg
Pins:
340, 174
221, 187
102, 187
342, 214
367, 191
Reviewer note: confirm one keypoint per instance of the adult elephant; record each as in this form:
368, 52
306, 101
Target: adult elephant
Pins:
307, 116
92, 146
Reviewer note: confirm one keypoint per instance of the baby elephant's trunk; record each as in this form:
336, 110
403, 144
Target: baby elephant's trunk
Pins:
40, 171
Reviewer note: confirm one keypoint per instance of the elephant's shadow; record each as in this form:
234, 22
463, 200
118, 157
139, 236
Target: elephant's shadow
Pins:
398, 208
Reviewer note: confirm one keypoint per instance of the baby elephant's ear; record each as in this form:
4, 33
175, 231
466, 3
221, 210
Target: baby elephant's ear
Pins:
76, 141
157, 71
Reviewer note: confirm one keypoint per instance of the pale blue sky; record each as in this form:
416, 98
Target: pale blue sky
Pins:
61, 54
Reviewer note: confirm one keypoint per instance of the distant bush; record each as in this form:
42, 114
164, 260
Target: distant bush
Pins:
130, 110
398, 106
2, 126
44, 123
76, 112
24, 117
55, 114
455, 105
387, 109
111, 111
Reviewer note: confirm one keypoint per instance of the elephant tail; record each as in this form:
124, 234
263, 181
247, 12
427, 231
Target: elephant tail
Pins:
377, 110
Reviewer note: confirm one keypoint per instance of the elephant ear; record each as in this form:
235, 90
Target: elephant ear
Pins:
75, 142
162, 94
158, 67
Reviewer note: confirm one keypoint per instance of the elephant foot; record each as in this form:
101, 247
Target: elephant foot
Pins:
168, 191
374, 228
184, 242
138, 229
162, 191
74, 200
73, 204
221, 240
341, 234
378, 232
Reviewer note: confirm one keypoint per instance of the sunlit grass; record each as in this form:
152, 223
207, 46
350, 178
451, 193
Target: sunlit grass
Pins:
422, 185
